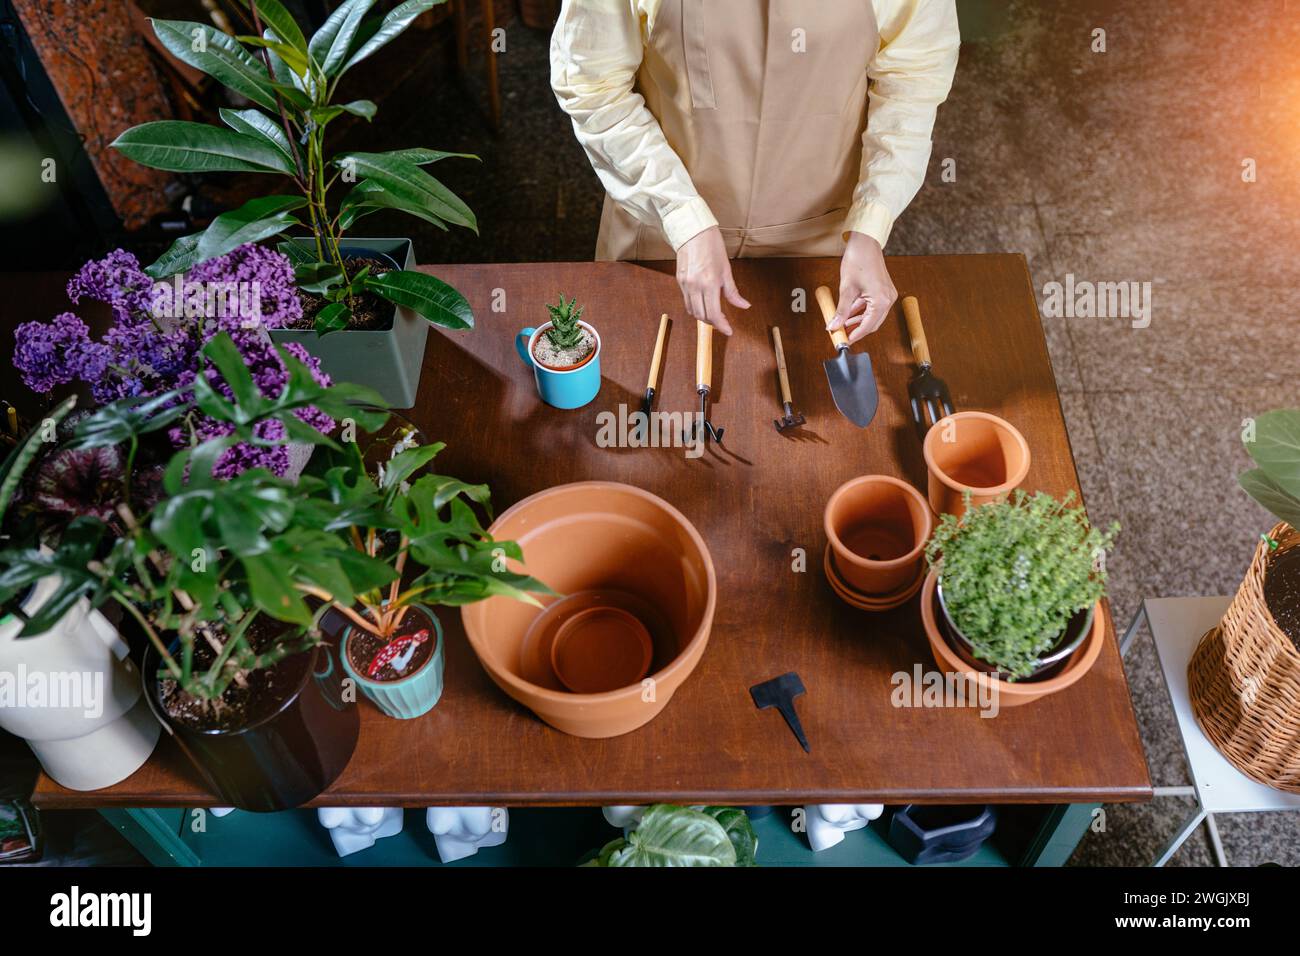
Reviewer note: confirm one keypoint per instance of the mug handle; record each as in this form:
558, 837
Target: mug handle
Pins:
521, 344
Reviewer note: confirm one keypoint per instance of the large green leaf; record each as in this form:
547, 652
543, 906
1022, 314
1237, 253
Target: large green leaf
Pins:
219, 55
675, 836
1283, 505
392, 26
275, 17
423, 157
368, 196
254, 221
408, 182
183, 147
295, 60
1276, 448
255, 123
428, 297
181, 256
739, 830
329, 46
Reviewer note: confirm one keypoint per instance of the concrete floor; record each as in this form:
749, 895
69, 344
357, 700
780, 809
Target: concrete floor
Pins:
1117, 166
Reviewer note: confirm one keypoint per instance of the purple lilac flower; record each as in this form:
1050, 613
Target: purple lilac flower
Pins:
55, 353
254, 267
145, 353
118, 280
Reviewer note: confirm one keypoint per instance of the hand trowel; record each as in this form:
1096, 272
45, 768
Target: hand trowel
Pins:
853, 386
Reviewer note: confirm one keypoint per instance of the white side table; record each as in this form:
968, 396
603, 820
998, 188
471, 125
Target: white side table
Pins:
1177, 624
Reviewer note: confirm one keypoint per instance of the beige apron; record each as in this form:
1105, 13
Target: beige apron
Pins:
771, 136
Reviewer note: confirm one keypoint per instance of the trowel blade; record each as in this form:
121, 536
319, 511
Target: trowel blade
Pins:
853, 386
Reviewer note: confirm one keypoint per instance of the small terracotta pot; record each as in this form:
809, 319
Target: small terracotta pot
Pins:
877, 527
1020, 692
611, 538
975, 452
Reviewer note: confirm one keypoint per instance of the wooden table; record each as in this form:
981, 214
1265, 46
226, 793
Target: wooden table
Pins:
756, 500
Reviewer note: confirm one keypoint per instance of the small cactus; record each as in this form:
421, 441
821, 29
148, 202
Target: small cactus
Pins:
565, 332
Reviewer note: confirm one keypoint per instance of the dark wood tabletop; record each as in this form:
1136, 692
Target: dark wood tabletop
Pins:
755, 500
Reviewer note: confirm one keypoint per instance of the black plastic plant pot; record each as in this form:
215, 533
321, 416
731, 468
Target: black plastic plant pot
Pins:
390, 359
931, 834
282, 760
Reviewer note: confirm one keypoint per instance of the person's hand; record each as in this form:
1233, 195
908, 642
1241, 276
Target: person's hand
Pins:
704, 273
866, 291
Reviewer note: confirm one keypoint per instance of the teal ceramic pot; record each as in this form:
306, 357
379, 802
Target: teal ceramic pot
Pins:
415, 694
562, 388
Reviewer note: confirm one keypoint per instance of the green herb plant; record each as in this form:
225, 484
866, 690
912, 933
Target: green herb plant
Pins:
292, 81
565, 332
1014, 572
669, 835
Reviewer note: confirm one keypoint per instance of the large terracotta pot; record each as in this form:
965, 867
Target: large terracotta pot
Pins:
975, 452
1020, 692
877, 527
600, 536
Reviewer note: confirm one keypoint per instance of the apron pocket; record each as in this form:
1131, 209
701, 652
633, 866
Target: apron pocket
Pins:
819, 236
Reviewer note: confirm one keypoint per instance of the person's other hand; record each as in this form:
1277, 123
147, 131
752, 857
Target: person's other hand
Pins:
866, 291
704, 273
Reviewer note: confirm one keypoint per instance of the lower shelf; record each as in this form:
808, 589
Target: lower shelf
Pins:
560, 836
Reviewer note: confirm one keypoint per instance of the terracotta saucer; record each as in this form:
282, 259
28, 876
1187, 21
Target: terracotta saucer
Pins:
535, 653
601, 649
870, 602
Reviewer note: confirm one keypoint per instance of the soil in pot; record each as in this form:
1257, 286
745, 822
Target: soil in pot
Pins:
546, 352
1282, 593
264, 692
363, 647
369, 311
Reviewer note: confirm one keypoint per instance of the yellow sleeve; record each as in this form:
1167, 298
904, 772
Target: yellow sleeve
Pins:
595, 53
910, 75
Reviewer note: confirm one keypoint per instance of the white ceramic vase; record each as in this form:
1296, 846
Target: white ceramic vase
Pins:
74, 695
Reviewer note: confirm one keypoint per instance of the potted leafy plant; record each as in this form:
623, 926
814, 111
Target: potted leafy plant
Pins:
1018, 583
1243, 674
75, 696
215, 574
668, 835
365, 303
564, 355
424, 527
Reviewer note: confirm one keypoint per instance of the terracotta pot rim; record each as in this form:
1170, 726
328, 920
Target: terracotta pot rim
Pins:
1075, 668
1012, 482
842, 552
366, 681
690, 649
563, 369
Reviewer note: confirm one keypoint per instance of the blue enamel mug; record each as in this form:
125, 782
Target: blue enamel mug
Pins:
562, 388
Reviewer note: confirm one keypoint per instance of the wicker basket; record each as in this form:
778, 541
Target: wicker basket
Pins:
1244, 679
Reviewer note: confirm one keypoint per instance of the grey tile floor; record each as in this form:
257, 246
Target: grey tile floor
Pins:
1123, 165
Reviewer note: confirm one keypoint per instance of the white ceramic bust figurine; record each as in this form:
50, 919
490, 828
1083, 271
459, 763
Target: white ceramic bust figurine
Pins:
623, 817
828, 822
357, 828
459, 832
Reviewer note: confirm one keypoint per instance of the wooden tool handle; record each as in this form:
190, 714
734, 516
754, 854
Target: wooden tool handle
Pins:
780, 366
827, 301
659, 351
920, 348
703, 354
